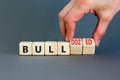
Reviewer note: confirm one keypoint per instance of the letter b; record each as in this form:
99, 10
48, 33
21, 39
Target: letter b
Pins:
25, 48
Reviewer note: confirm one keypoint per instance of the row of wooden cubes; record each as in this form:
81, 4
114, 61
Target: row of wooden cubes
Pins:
76, 46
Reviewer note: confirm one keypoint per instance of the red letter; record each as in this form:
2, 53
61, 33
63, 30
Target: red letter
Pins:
75, 42
88, 41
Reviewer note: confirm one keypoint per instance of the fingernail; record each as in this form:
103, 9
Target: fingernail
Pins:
97, 43
66, 39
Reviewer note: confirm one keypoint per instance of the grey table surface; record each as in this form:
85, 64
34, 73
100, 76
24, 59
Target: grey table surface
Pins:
97, 67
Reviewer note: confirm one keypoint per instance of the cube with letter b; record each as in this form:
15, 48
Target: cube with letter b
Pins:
25, 48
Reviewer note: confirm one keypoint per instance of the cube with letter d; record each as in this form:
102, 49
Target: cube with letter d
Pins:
88, 46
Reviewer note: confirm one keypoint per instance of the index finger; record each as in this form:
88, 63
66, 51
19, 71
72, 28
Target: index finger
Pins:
62, 14
75, 14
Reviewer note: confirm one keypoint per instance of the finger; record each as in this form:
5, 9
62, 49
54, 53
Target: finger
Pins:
62, 14
70, 29
72, 17
100, 30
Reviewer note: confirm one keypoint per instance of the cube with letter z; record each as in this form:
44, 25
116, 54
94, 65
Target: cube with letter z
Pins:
76, 46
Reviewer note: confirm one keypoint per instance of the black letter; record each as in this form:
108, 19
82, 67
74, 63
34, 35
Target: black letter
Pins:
25, 49
38, 51
50, 49
63, 49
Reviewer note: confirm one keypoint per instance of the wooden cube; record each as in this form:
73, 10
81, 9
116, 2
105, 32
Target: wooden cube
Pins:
25, 48
88, 46
76, 46
38, 48
63, 48
51, 48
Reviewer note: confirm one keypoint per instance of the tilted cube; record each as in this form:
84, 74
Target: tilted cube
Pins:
76, 46
88, 46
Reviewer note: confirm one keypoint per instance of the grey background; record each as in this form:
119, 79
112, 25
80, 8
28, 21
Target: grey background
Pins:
36, 20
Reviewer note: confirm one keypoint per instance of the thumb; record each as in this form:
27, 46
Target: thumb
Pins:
100, 30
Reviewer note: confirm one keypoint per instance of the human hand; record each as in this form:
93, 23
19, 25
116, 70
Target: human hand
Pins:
104, 10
